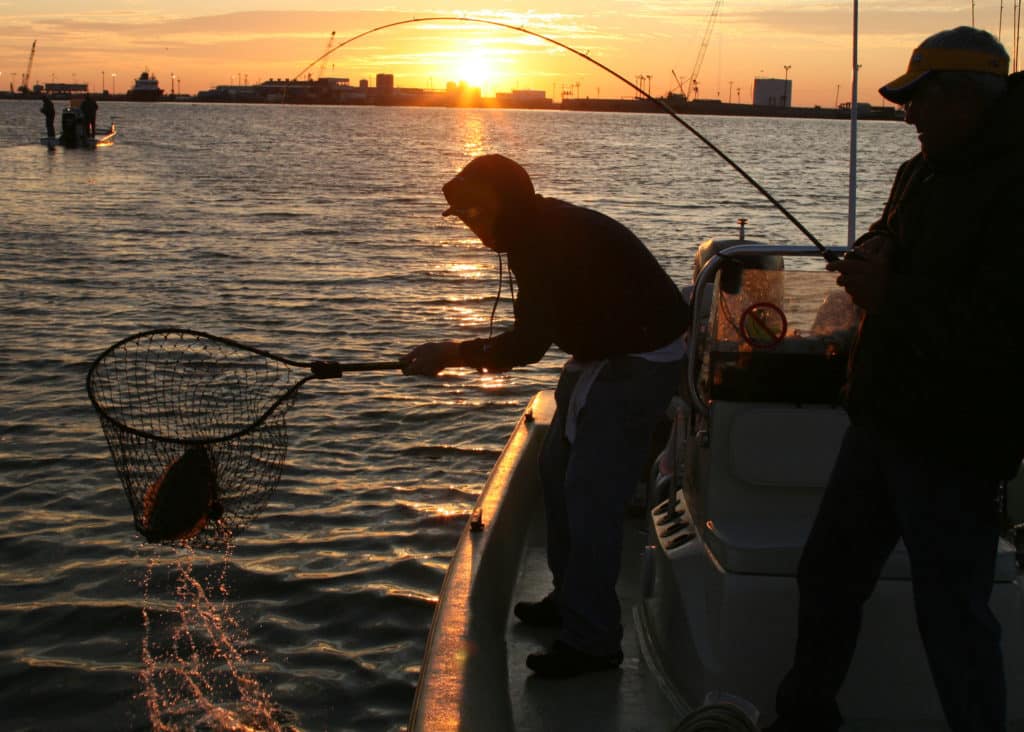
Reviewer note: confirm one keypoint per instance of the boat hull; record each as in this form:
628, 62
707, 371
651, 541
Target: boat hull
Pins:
103, 138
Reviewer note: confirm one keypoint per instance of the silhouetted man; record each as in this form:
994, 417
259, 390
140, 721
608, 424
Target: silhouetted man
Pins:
49, 112
89, 113
933, 395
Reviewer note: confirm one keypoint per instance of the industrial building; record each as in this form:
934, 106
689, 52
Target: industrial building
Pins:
773, 92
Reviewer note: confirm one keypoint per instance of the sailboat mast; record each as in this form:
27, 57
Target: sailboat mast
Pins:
851, 220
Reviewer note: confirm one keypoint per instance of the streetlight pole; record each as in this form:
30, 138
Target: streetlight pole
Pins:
785, 89
113, 80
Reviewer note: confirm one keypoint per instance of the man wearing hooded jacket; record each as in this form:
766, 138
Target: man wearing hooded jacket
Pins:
588, 285
934, 394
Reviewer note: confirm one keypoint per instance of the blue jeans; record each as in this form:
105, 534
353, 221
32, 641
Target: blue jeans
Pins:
948, 519
587, 485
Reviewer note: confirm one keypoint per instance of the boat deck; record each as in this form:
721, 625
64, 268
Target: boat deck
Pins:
474, 675
617, 701
625, 699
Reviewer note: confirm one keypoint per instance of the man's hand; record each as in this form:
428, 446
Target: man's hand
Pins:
864, 272
431, 358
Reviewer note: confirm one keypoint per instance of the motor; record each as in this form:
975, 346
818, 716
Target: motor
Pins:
72, 126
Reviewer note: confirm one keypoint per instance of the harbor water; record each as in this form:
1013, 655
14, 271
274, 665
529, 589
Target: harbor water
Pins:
312, 232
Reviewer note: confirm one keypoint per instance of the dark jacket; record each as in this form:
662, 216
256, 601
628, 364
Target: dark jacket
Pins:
89, 107
585, 283
941, 367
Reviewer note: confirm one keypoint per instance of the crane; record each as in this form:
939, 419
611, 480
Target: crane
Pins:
330, 44
703, 50
28, 71
679, 82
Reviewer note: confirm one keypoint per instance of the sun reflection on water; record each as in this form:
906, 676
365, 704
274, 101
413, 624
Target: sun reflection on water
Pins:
467, 270
474, 135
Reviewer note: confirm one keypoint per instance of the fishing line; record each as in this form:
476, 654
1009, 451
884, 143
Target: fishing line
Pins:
497, 298
830, 256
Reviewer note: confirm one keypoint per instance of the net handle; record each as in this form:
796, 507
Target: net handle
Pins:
318, 370
333, 369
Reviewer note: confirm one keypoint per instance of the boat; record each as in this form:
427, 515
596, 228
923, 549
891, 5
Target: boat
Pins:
708, 581
145, 89
73, 132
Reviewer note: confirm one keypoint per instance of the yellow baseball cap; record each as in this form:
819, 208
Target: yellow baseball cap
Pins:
923, 61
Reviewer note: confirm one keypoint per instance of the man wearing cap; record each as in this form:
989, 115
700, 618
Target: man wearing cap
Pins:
934, 394
588, 285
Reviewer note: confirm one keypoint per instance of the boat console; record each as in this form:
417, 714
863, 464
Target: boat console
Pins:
763, 333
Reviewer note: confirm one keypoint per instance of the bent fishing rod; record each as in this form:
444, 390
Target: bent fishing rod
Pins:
828, 255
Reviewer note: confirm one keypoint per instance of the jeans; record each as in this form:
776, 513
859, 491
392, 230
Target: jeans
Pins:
948, 519
587, 484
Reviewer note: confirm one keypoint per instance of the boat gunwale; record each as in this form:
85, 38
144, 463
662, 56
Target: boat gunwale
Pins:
458, 675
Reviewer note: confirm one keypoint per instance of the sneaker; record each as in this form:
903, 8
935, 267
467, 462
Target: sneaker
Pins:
564, 661
543, 614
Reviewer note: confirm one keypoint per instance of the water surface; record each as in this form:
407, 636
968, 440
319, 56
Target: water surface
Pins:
311, 232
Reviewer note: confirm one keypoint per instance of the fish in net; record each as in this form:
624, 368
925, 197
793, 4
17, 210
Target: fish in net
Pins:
196, 428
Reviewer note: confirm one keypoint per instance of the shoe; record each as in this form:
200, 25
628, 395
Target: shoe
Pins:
564, 661
542, 614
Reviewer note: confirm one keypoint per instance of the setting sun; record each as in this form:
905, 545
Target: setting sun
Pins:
475, 68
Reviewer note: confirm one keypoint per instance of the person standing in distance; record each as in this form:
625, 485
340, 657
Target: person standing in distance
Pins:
588, 285
49, 113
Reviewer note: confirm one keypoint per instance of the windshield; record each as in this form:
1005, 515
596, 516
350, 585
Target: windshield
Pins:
777, 335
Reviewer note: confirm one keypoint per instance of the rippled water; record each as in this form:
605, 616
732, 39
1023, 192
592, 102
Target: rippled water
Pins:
312, 232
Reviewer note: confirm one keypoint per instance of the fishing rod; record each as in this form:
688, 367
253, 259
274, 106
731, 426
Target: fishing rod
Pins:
828, 255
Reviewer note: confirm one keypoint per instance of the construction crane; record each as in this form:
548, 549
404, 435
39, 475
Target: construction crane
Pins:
24, 89
330, 45
692, 90
679, 82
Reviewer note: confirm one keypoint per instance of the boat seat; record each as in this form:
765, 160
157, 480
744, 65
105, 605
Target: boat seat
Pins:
763, 487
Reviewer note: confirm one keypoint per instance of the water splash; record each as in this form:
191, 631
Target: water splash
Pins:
198, 666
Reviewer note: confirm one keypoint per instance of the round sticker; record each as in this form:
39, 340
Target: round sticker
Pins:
763, 325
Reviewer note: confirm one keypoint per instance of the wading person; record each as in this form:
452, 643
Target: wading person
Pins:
588, 285
933, 394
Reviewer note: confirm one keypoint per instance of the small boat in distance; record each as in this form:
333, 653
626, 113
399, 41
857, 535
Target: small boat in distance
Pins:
146, 89
73, 132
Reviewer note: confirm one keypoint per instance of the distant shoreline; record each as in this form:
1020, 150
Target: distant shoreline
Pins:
639, 106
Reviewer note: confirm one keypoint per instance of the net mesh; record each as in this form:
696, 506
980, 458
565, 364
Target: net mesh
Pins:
162, 394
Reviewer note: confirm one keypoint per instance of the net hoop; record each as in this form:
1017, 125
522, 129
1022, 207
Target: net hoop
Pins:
105, 414
164, 392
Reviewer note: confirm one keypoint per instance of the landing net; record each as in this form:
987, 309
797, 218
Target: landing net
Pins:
196, 428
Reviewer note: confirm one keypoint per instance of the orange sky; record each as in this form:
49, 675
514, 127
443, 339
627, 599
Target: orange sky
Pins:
203, 44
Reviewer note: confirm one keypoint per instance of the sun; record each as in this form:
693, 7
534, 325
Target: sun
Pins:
475, 68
